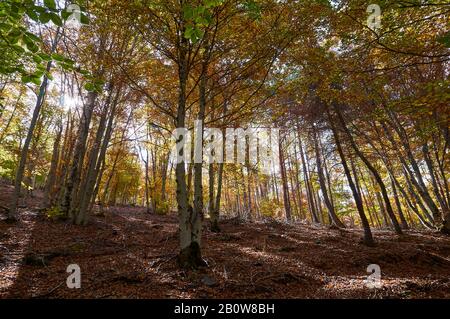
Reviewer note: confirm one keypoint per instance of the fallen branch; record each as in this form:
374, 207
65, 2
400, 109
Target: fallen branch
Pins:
49, 292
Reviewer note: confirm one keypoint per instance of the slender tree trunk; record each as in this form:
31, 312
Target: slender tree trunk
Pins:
87, 186
70, 204
299, 185
48, 193
147, 199
24, 153
441, 169
66, 156
249, 190
216, 211
101, 158
412, 206
244, 193
25, 149
331, 213
431, 171
415, 176
398, 204
368, 238
211, 178
293, 187
197, 215
164, 177
416, 198
287, 202
374, 172
11, 117
309, 190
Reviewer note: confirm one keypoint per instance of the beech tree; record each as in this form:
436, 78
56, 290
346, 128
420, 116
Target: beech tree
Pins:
362, 113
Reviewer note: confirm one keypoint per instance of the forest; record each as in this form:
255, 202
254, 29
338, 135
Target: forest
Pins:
224, 149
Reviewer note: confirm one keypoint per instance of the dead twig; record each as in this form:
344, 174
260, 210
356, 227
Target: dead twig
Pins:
49, 292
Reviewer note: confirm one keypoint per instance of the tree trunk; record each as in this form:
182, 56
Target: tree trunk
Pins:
431, 170
48, 193
11, 117
398, 204
70, 204
309, 191
374, 172
216, 211
415, 176
147, 198
87, 187
189, 222
101, 158
331, 213
368, 238
12, 215
287, 202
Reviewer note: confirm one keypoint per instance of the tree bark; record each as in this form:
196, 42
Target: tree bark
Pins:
368, 238
309, 191
374, 172
70, 205
12, 215
331, 213
286, 199
88, 184
48, 193
11, 117
189, 222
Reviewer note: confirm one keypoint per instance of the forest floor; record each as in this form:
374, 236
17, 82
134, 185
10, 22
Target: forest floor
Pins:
131, 254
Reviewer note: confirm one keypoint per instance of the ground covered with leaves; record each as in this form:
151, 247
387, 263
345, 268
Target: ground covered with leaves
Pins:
131, 254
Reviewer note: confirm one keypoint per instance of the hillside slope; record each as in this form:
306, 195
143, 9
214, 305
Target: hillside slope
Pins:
130, 254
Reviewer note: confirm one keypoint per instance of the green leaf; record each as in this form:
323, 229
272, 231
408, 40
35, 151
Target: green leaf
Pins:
51, 4
56, 19
18, 49
188, 33
36, 80
39, 9
33, 15
45, 57
33, 37
5, 27
90, 87
49, 76
445, 40
15, 33
201, 21
39, 73
37, 59
30, 44
58, 57
84, 73
188, 12
44, 17
65, 14
33, 78
253, 9
84, 19
26, 79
